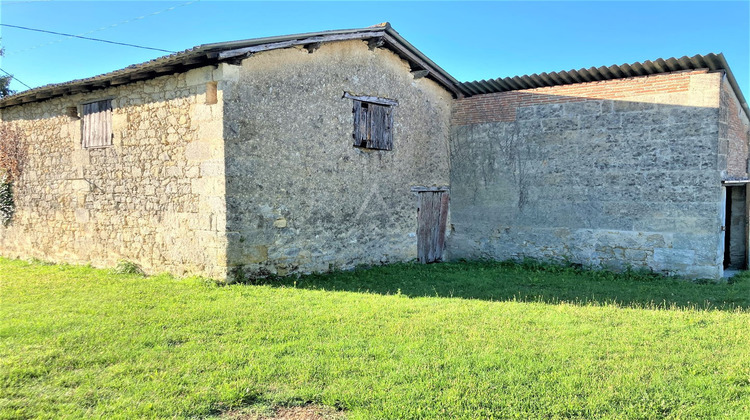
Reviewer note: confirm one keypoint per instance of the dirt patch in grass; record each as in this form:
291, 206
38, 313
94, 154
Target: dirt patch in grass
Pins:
308, 412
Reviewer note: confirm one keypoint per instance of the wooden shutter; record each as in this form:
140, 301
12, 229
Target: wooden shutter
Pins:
97, 124
361, 124
373, 125
380, 127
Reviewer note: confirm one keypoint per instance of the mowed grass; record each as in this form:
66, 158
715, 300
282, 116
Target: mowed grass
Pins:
463, 340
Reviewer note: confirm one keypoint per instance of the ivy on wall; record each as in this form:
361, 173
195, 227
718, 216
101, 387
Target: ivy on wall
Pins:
13, 154
7, 206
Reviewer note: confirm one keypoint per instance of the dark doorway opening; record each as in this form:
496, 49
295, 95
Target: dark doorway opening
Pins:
735, 226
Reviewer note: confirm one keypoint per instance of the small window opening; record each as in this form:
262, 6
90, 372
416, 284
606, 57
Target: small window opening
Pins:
72, 112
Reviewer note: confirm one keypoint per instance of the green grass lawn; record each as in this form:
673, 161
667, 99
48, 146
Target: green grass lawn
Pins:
469, 340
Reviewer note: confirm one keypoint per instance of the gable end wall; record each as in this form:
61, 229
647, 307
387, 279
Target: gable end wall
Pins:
300, 197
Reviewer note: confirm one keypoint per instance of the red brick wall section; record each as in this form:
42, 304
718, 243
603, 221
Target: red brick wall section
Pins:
501, 107
736, 131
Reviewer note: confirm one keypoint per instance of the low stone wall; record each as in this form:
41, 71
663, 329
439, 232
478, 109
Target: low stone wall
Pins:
625, 173
155, 197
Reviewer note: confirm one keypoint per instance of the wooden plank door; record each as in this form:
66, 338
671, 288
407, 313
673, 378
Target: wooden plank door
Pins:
432, 216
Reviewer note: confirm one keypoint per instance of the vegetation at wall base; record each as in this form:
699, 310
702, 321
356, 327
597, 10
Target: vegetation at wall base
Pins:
486, 340
127, 267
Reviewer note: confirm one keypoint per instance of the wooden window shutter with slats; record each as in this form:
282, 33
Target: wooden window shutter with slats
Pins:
97, 124
361, 124
380, 127
373, 125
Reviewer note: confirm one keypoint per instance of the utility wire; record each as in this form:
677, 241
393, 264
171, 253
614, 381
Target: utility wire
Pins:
26, 1
87, 38
104, 27
14, 77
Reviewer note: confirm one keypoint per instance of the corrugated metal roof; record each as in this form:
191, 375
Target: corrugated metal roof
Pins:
209, 54
712, 62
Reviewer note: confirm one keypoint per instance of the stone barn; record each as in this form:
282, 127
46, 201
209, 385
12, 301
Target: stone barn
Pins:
288, 154
326, 150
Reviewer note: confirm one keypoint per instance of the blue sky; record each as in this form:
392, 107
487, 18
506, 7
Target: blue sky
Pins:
471, 40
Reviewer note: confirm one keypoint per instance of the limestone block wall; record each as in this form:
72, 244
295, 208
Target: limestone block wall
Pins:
300, 197
621, 173
154, 197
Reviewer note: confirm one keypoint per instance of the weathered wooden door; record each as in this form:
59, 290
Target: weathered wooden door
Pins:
432, 216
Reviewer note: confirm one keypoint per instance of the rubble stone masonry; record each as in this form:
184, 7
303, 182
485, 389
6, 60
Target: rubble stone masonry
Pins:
250, 169
300, 197
235, 170
155, 197
620, 173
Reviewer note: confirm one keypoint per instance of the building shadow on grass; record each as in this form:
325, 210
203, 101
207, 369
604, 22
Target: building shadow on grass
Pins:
530, 281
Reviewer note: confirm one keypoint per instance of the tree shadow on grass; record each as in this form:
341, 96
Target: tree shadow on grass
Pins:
531, 281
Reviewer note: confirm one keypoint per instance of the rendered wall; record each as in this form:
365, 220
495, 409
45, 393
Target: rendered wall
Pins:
621, 173
155, 197
300, 197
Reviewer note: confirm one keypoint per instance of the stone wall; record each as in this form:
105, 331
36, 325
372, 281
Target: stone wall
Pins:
300, 197
733, 142
155, 197
733, 132
251, 170
622, 173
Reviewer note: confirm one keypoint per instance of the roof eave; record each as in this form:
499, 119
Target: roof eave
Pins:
711, 62
436, 72
391, 38
213, 54
159, 67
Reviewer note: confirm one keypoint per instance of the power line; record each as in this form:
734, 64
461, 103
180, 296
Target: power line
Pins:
103, 27
87, 38
14, 77
26, 1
